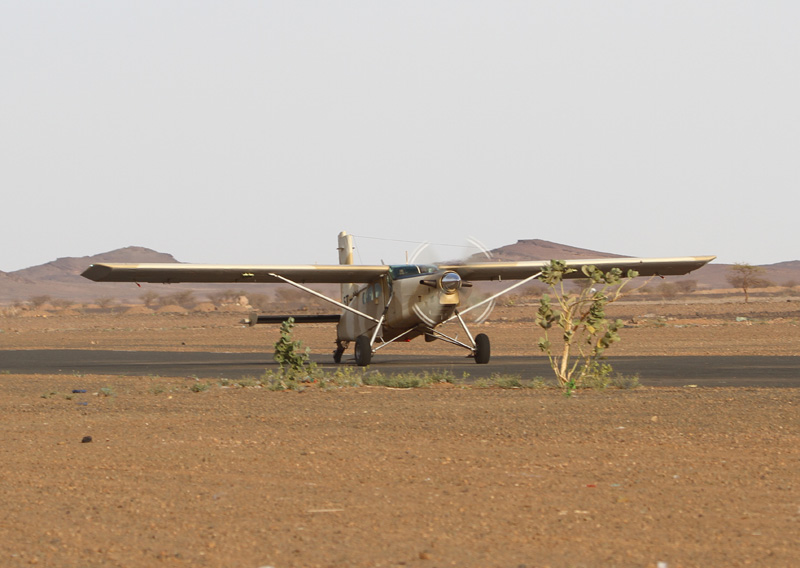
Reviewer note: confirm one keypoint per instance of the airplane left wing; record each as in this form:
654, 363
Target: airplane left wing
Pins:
526, 269
173, 273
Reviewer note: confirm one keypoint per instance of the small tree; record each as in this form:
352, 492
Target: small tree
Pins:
150, 298
580, 316
746, 276
185, 299
225, 297
686, 286
668, 290
39, 301
294, 362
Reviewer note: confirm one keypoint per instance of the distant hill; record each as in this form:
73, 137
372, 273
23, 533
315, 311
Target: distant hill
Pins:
537, 249
61, 278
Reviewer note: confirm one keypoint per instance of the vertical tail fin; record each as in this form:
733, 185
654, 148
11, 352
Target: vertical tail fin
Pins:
346, 257
345, 248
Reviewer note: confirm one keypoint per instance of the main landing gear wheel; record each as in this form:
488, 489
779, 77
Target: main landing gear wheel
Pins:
483, 349
363, 351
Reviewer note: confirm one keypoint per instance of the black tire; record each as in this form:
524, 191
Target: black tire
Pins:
483, 349
363, 351
337, 355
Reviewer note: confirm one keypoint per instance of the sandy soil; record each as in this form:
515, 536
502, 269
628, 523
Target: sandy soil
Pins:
444, 476
698, 327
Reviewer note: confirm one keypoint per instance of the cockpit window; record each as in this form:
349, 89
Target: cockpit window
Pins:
400, 271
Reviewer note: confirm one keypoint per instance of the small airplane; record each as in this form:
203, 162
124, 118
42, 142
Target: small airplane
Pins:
382, 304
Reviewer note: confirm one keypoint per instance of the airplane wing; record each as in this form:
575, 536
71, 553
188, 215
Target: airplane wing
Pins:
524, 269
173, 273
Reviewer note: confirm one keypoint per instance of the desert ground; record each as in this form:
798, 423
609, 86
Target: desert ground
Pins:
236, 475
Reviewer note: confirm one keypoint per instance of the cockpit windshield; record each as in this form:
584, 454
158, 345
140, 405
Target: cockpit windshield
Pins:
400, 271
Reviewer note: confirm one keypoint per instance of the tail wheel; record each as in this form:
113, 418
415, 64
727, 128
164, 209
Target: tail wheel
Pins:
363, 351
337, 353
483, 349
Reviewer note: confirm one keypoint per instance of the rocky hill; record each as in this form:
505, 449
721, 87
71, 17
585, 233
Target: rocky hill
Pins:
62, 278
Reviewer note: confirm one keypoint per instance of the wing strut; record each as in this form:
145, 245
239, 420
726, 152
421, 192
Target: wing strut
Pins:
466, 329
324, 297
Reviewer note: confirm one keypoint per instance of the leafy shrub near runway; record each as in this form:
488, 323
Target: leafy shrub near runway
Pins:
579, 318
295, 362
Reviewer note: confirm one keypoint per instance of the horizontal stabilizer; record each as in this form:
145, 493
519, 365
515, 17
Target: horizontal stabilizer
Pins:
321, 318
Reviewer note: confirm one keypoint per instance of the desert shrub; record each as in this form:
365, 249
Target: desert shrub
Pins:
290, 295
185, 299
261, 302
296, 367
288, 352
667, 290
105, 303
407, 380
580, 317
344, 377
150, 299
286, 295
746, 276
225, 297
686, 286
532, 290
39, 301
624, 381
510, 382
597, 375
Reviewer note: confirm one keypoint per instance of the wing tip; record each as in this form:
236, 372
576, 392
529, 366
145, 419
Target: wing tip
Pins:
96, 272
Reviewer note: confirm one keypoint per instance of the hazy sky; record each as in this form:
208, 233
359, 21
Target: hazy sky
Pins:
253, 132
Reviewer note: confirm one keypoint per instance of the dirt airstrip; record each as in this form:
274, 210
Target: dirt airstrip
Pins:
231, 475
